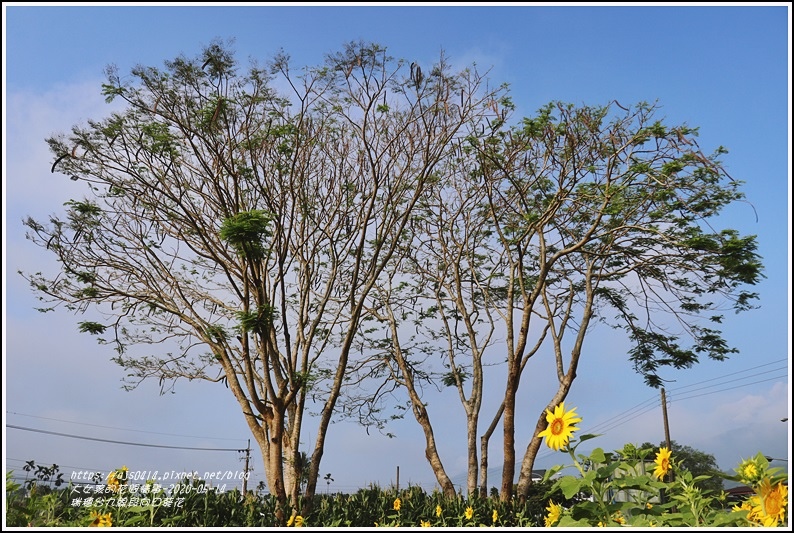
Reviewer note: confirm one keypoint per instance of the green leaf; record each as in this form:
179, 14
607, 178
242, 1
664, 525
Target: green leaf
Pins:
94, 328
588, 436
568, 521
598, 456
551, 472
135, 519
570, 486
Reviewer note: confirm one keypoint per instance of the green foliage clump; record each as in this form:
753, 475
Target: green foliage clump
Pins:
245, 233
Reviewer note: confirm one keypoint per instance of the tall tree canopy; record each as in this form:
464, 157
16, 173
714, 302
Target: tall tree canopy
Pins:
374, 228
238, 229
547, 226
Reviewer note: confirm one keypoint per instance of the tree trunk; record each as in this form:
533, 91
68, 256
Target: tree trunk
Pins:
486, 437
508, 446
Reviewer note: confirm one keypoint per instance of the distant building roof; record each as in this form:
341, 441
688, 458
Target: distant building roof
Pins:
739, 492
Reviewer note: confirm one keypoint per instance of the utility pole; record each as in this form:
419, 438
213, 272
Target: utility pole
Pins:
398, 478
245, 473
666, 424
662, 493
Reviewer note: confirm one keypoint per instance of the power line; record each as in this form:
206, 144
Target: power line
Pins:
124, 443
729, 388
61, 466
621, 417
731, 374
120, 429
731, 380
625, 420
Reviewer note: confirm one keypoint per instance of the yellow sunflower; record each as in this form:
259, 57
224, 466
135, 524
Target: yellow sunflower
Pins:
555, 511
117, 478
560, 426
397, 504
753, 506
469, 513
101, 520
438, 511
662, 463
494, 516
745, 506
771, 507
113, 483
750, 471
424, 523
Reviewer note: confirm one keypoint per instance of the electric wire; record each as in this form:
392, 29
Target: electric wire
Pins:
12, 426
723, 390
118, 428
731, 374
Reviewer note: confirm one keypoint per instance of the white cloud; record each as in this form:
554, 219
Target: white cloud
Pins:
749, 408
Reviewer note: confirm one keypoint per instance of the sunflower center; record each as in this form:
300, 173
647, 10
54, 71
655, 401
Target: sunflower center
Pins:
557, 426
665, 464
772, 503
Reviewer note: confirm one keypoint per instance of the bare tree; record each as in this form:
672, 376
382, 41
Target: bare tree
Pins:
239, 231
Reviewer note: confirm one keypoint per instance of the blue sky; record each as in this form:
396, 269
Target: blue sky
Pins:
723, 68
